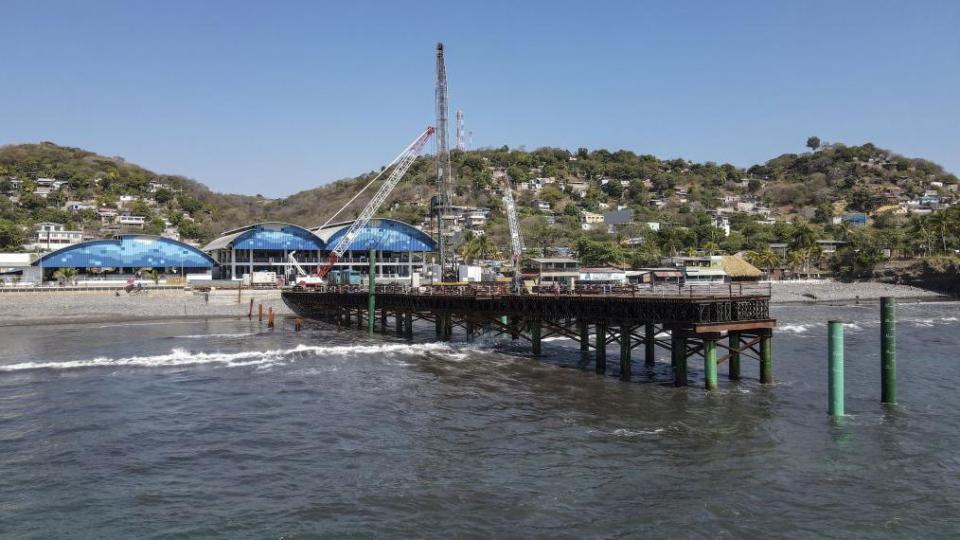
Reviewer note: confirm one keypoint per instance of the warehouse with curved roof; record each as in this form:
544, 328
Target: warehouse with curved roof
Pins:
265, 247
128, 253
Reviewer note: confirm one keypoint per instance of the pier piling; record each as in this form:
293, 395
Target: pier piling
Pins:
408, 325
888, 350
372, 294
734, 360
260, 312
601, 348
250, 312
650, 345
584, 328
766, 357
626, 367
535, 327
297, 324
270, 317
679, 361
835, 377
710, 364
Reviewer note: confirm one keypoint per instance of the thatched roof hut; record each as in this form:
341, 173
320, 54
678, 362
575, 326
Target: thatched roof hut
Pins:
739, 269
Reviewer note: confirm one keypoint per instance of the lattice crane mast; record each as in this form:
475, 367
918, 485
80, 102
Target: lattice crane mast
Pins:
402, 164
516, 240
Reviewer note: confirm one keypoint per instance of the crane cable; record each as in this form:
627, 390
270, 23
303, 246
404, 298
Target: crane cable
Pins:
375, 178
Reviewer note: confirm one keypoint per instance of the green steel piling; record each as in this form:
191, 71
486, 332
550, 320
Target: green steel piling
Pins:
710, 364
888, 350
835, 376
766, 357
734, 359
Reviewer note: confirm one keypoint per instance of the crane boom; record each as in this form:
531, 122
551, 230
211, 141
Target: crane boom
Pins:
516, 240
403, 163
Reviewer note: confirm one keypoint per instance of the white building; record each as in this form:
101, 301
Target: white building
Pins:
51, 236
131, 221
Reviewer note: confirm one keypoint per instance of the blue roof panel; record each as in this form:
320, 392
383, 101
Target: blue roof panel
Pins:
386, 235
276, 236
128, 251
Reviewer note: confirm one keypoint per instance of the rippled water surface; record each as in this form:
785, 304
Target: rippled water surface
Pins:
224, 428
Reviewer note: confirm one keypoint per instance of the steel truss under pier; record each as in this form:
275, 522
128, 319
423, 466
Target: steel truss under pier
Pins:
719, 330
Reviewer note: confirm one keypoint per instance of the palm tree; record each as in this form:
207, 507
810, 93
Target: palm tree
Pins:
797, 259
65, 275
803, 235
765, 260
151, 274
479, 247
939, 222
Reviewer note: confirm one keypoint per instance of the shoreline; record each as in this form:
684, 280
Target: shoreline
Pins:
26, 309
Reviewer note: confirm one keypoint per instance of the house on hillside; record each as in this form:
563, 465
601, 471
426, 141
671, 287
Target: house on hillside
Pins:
50, 236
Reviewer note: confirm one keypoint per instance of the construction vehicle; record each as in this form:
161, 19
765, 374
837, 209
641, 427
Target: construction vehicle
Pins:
516, 240
400, 166
303, 279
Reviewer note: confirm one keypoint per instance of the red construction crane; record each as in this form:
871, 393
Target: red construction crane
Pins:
402, 163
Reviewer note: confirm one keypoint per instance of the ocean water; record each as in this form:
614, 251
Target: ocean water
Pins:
187, 429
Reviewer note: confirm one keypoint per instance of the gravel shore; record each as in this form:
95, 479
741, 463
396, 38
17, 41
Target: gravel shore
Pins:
19, 309
783, 292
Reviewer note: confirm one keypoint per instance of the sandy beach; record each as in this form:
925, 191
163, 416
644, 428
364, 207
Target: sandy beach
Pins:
105, 306
784, 292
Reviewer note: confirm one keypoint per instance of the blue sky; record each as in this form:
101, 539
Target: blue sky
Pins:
277, 97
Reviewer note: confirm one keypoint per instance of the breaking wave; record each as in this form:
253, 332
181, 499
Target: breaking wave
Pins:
795, 328
180, 357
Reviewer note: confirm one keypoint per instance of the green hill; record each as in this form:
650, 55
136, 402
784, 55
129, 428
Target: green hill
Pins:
763, 203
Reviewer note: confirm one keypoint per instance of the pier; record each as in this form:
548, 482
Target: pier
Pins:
719, 324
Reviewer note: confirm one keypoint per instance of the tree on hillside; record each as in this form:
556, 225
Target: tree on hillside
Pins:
11, 235
813, 143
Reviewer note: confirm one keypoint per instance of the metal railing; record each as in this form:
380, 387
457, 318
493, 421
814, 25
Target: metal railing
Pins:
706, 291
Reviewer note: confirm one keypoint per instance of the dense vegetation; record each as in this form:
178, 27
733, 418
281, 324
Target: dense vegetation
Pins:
802, 191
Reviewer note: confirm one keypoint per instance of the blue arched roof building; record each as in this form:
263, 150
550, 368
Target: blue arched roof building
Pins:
265, 247
128, 251
268, 246
380, 234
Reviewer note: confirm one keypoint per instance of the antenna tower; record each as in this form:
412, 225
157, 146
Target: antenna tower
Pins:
444, 170
461, 144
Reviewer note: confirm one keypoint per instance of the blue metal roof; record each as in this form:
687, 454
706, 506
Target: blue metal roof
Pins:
268, 236
128, 251
381, 234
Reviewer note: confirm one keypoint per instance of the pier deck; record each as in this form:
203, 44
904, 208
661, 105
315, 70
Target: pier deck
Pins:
699, 320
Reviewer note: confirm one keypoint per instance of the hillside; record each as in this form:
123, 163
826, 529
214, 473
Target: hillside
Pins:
692, 202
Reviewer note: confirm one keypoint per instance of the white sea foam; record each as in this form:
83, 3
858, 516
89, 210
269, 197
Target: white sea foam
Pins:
795, 328
180, 357
204, 336
631, 433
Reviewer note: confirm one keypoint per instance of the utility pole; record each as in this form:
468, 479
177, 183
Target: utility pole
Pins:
444, 170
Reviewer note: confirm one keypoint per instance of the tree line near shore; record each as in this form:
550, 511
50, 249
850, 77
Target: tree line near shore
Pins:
803, 191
